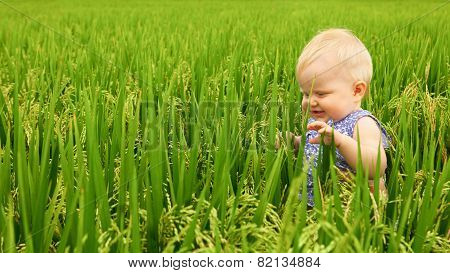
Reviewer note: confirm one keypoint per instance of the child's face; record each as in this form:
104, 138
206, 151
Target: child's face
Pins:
332, 90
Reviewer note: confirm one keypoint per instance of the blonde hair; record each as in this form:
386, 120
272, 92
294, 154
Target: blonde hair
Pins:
350, 51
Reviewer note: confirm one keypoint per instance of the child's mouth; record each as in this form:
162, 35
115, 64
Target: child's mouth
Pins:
317, 113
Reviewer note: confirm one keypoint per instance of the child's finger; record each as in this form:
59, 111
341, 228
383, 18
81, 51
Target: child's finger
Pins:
289, 135
315, 140
297, 140
316, 125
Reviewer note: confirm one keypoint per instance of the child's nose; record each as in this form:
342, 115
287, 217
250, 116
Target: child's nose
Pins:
313, 102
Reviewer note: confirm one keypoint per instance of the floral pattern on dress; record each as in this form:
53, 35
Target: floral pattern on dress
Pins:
344, 126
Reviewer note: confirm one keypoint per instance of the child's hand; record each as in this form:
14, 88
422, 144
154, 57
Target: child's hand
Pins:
289, 137
324, 130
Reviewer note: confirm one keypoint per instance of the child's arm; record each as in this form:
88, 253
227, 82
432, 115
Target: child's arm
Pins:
370, 137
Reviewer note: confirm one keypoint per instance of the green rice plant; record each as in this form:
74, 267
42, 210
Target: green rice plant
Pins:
152, 128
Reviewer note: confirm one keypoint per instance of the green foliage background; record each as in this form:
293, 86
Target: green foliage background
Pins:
135, 126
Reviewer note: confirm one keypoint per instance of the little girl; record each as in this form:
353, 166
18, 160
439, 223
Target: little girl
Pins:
334, 71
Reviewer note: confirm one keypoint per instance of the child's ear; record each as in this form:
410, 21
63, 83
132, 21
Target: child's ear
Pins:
359, 89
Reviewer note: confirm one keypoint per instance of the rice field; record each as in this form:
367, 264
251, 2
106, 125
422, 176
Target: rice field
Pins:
135, 126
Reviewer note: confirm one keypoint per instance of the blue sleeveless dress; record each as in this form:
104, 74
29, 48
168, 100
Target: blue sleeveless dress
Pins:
344, 126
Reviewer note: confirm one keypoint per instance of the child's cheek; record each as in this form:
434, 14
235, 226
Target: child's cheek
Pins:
304, 107
303, 110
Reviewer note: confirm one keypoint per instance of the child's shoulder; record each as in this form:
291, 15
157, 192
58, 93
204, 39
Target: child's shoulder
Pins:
367, 126
370, 130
